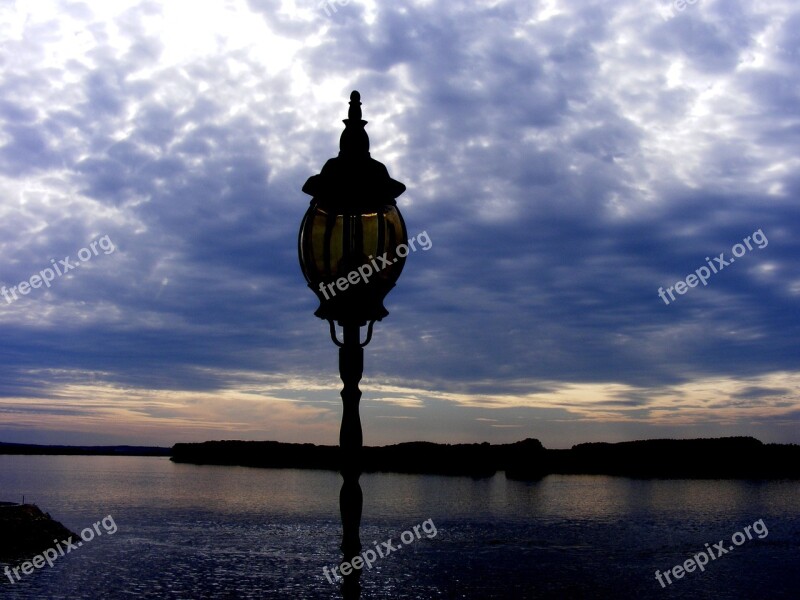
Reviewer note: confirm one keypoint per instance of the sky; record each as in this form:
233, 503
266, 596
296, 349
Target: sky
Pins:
575, 165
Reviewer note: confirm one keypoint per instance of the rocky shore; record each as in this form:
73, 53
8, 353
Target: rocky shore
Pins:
26, 531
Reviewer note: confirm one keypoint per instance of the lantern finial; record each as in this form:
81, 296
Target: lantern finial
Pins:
354, 141
355, 106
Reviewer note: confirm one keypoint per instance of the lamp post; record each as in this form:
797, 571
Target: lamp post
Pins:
348, 253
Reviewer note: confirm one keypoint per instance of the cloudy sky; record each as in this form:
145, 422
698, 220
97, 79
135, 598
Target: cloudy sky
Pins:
566, 158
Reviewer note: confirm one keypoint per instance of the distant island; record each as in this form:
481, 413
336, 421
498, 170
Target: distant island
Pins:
6, 448
721, 458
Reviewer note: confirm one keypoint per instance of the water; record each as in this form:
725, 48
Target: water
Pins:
196, 532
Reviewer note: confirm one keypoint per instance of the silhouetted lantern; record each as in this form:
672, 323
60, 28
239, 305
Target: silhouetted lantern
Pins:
353, 240
352, 245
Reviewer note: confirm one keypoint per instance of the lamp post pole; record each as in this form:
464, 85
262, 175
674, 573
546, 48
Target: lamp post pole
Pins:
351, 368
351, 498
353, 218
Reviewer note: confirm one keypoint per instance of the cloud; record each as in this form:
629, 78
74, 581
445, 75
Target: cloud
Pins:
566, 161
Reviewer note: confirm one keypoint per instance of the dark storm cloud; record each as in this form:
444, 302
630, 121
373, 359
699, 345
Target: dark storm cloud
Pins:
561, 285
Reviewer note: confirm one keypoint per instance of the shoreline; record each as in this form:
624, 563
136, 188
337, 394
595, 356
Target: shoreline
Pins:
700, 458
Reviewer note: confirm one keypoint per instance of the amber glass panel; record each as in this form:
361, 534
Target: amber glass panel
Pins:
333, 245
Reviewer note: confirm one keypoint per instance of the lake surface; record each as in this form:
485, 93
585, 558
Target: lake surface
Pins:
199, 532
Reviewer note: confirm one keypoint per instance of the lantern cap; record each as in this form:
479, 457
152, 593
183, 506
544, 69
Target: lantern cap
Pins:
353, 181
